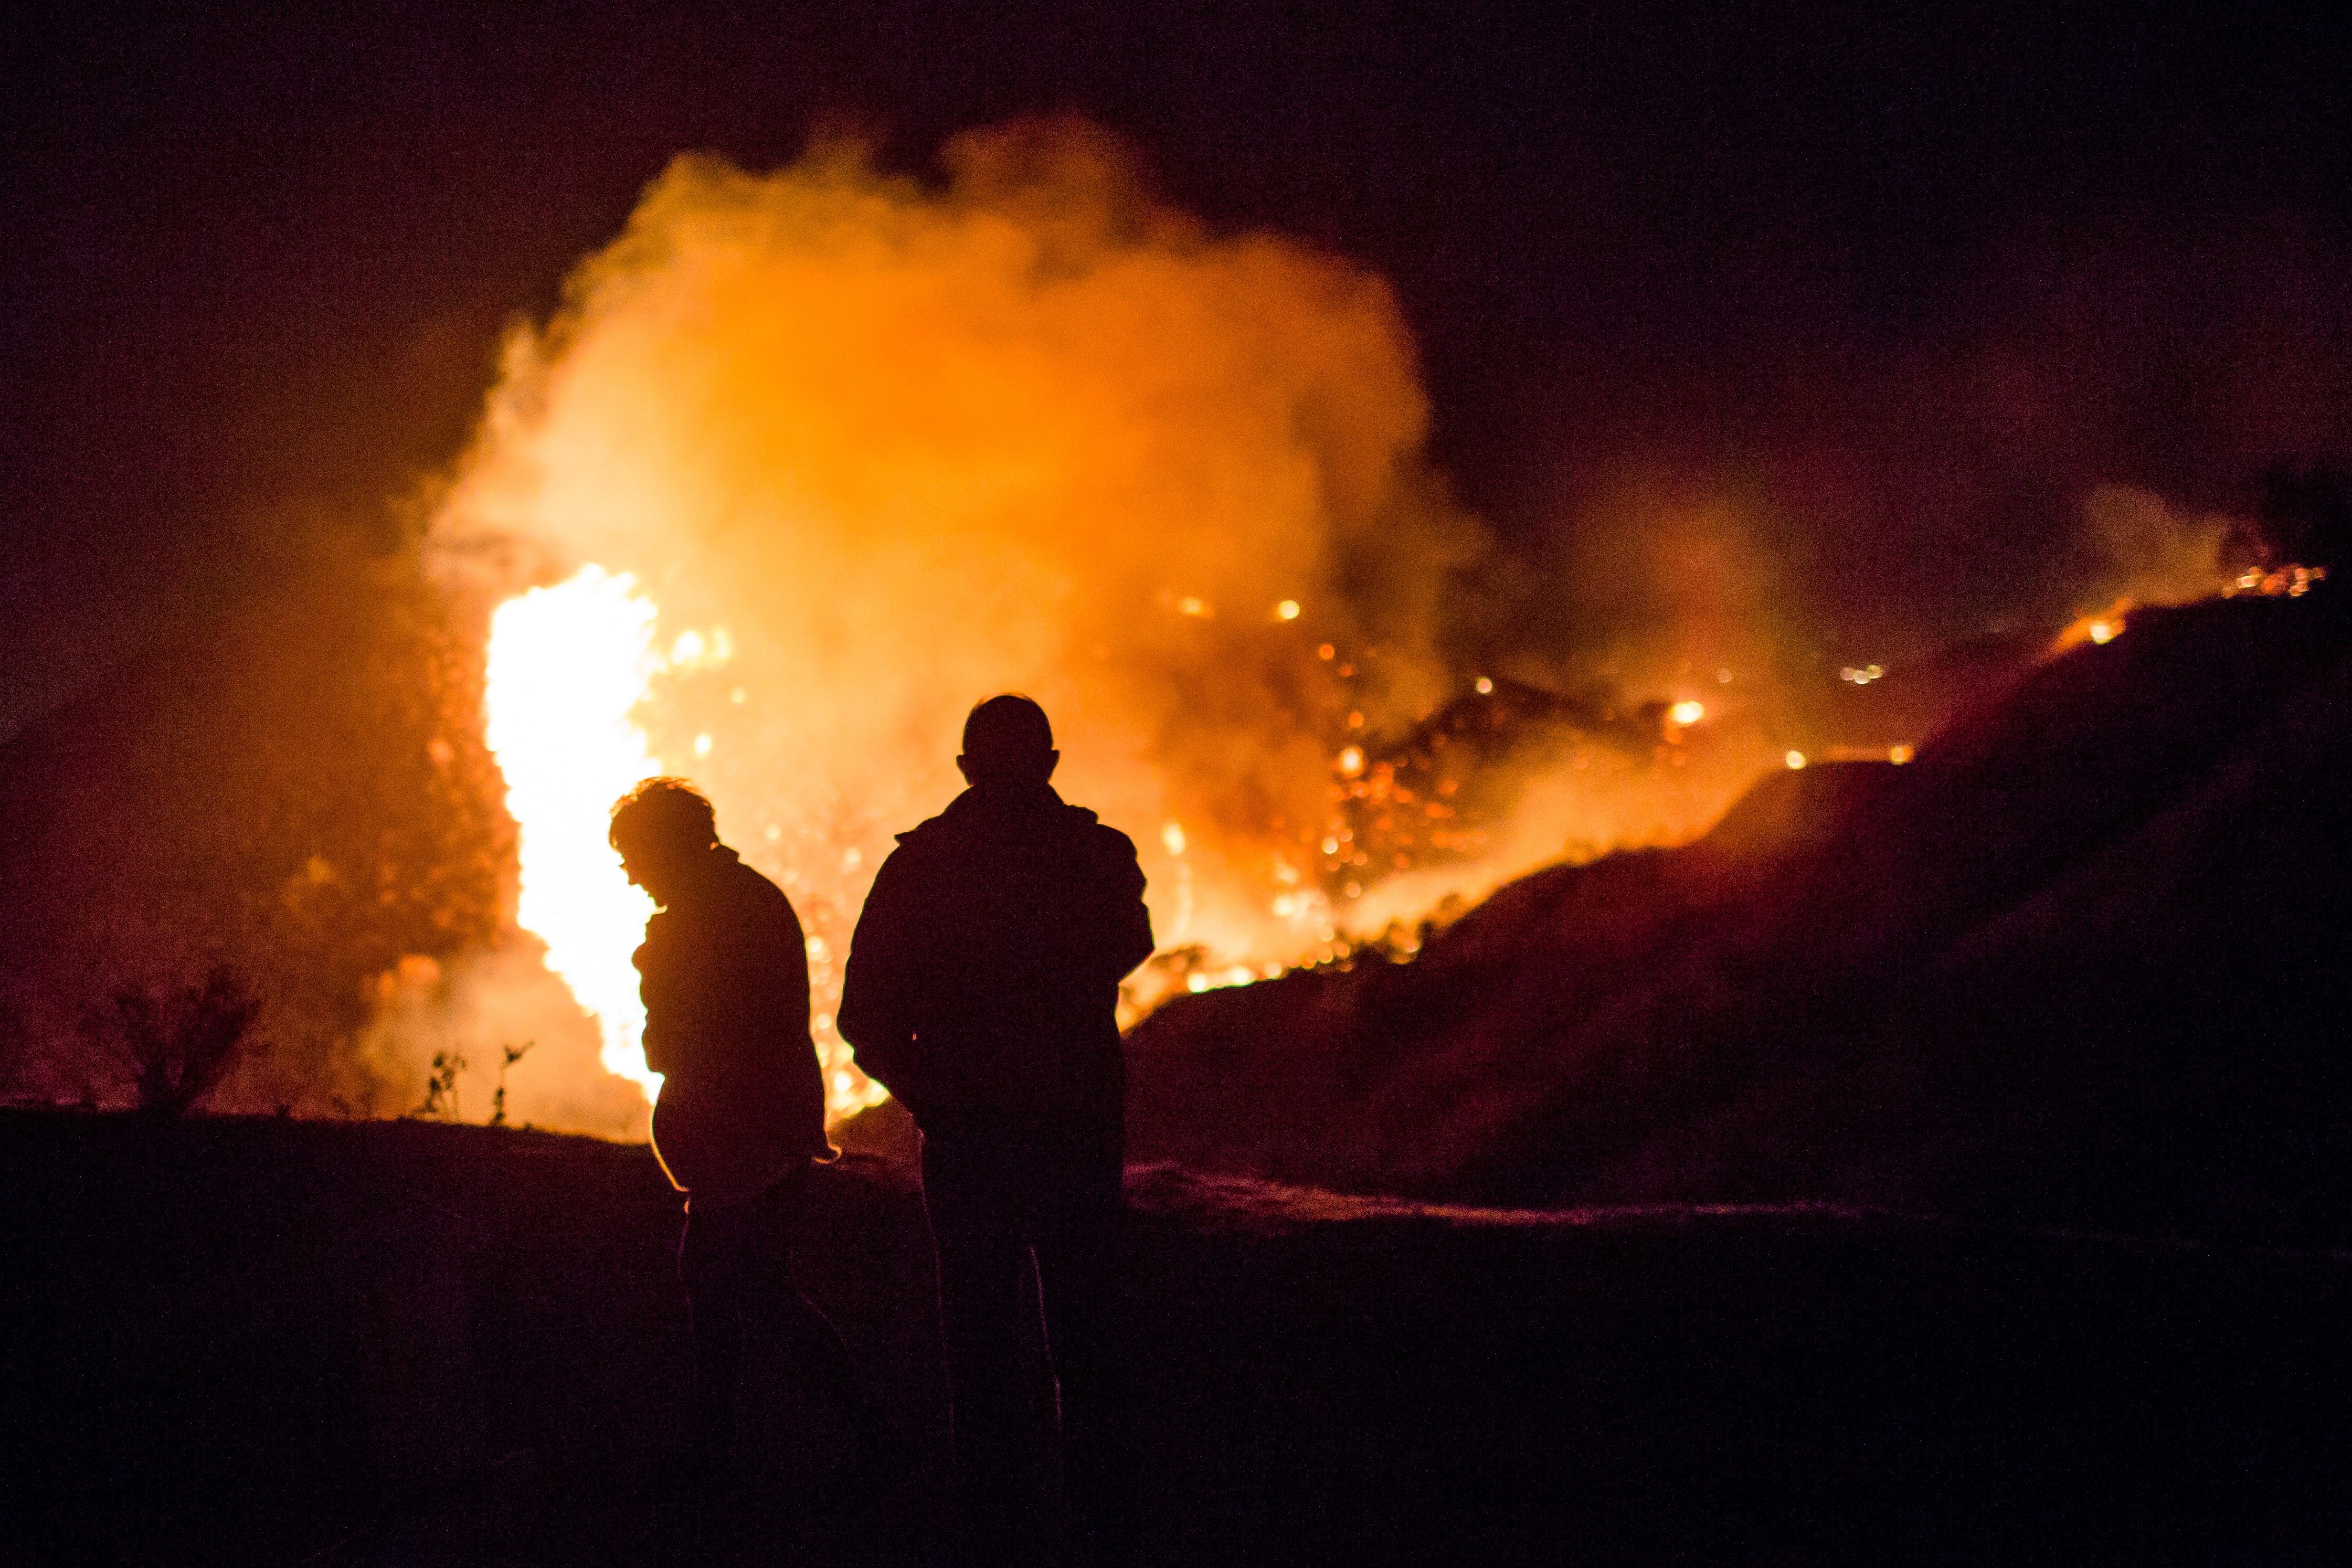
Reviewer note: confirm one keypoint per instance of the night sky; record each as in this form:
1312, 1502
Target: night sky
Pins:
1919, 282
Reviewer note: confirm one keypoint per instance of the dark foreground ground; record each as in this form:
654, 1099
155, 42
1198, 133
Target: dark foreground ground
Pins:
255, 1342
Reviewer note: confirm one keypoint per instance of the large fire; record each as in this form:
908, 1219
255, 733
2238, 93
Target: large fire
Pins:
810, 462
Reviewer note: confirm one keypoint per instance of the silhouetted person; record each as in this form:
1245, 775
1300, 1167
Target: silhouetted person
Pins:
982, 990
741, 1114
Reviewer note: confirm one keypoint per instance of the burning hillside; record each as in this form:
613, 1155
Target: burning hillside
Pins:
811, 462
2082, 958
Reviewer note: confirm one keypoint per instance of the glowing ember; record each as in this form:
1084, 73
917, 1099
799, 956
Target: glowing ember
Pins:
2104, 631
568, 666
1687, 712
1287, 611
2293, 581
1794, 760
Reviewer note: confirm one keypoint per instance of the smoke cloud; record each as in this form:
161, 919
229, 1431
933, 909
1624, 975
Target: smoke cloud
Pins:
884, 450
2143, 549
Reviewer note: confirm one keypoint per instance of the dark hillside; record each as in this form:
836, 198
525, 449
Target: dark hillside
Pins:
2083, 961
260, 1343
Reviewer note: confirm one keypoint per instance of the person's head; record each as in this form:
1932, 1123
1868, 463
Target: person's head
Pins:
663, 828
1007, 741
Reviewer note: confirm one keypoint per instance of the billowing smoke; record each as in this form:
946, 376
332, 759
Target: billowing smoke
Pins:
883, 449
2147, 551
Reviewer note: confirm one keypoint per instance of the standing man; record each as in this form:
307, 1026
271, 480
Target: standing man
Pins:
981, 991
724, 974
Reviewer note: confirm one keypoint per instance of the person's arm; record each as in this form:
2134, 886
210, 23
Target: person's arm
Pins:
878, 987
1127, 925
656, 990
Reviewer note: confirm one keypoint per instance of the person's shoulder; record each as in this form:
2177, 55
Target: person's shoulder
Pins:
1110, 842
904, 866
749, 885
728, 874
1105, 845
927, 839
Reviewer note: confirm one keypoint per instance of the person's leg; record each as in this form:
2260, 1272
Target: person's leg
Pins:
976, 1234
1082, 1275
805, 1337
709, 1266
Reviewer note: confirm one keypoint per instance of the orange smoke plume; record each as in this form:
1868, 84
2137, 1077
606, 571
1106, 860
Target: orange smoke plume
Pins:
866, 451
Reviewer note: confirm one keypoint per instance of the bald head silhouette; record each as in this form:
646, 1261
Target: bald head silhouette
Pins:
1008, 743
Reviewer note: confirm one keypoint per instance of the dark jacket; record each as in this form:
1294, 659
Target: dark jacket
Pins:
983, 985
725, 982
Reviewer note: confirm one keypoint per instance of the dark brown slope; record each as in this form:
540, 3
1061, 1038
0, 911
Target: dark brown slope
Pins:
2083, 959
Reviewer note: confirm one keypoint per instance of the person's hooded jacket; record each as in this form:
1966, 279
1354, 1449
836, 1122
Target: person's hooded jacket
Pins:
983, 983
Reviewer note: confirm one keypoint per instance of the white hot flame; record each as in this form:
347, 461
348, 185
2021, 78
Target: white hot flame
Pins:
568, 666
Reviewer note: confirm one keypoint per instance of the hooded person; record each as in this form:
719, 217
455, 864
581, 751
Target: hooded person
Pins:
724, 978
981, 991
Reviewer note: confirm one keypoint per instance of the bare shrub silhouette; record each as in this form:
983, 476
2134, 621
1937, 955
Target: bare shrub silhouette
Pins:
179, 1044
509, 1055
441, 1089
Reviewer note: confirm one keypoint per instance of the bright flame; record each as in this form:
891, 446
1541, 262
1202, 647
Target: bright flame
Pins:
568, 666
1794, 760
1687, 713
2100, 626
1287, 611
